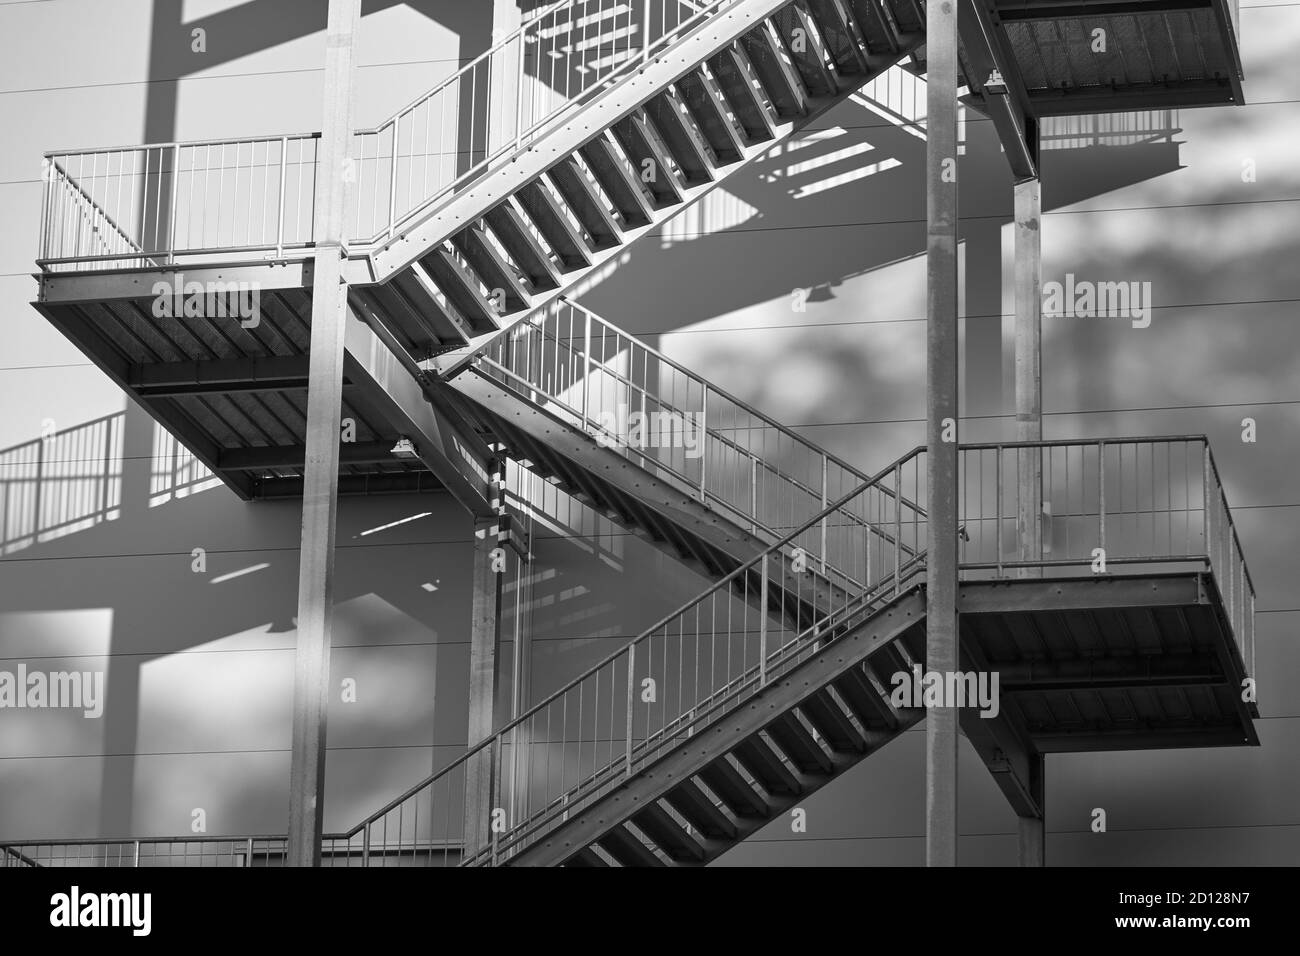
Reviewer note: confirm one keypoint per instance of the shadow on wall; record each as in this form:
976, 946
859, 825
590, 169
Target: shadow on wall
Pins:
101, 519
841, 203
862, 175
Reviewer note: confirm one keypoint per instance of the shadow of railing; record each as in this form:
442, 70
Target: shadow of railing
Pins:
71, 480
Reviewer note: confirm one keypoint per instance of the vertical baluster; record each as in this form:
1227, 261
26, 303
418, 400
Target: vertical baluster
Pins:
825, 502
279, 215
997, 481
762, 621
586, 365
631, 668
704, 430
1205, 504
171, 208
898, 524
1101, 495
521, 64
753, 493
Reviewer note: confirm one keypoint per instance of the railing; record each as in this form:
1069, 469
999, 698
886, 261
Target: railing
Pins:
181, 201
745, 630
1140, 505
666, 419
212, 851
1151, 505
205, 201
164, 851
1108, 129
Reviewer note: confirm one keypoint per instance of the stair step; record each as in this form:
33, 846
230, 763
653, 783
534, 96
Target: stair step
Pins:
487, 261
669, 835
841, 42
412, 298
802, 41
875, 25
783, 85
586, 203
826, 714
685, 145
764, 764
909, 15
461, 289
709, 110
586, 857
554, 226
648, 159
789, 733
694, 804
864, 700
625, 191
518, 241
626, 849
735, 791
737, 82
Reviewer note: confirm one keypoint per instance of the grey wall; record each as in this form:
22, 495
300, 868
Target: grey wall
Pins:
199, 667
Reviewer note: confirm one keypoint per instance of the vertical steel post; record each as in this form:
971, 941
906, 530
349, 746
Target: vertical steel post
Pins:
631, 690
586, 368
279, 216
645, 34
1029, 428
484, 679
321, 472
392, 175
941, 421
171, 211
825, 503
704, 441
1029, 389
1033, 830
762, 622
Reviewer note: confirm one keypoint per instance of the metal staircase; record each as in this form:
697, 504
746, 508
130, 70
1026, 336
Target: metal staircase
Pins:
710, 87
474, 209
508, 183
727, 713
655, 447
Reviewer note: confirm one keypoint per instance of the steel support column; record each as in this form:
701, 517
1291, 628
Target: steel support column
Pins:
941, 423
484, 680
320, 485
1033, 829
1029, 427
1029, 379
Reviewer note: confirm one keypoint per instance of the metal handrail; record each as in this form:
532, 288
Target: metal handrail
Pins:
499, 353
1119, 498
495, 83
715, 588
724, 583
695, 376
703, 9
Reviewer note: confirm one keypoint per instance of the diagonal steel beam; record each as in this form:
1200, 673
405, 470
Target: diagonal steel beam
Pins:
384, 382
1008, 106
1003, 743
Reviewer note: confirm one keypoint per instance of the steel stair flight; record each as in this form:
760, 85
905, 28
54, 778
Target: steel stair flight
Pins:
653, 114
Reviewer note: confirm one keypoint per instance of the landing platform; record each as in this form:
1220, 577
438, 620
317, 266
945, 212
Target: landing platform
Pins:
1124, 662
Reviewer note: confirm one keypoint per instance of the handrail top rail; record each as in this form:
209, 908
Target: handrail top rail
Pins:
233, 141
740, 403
